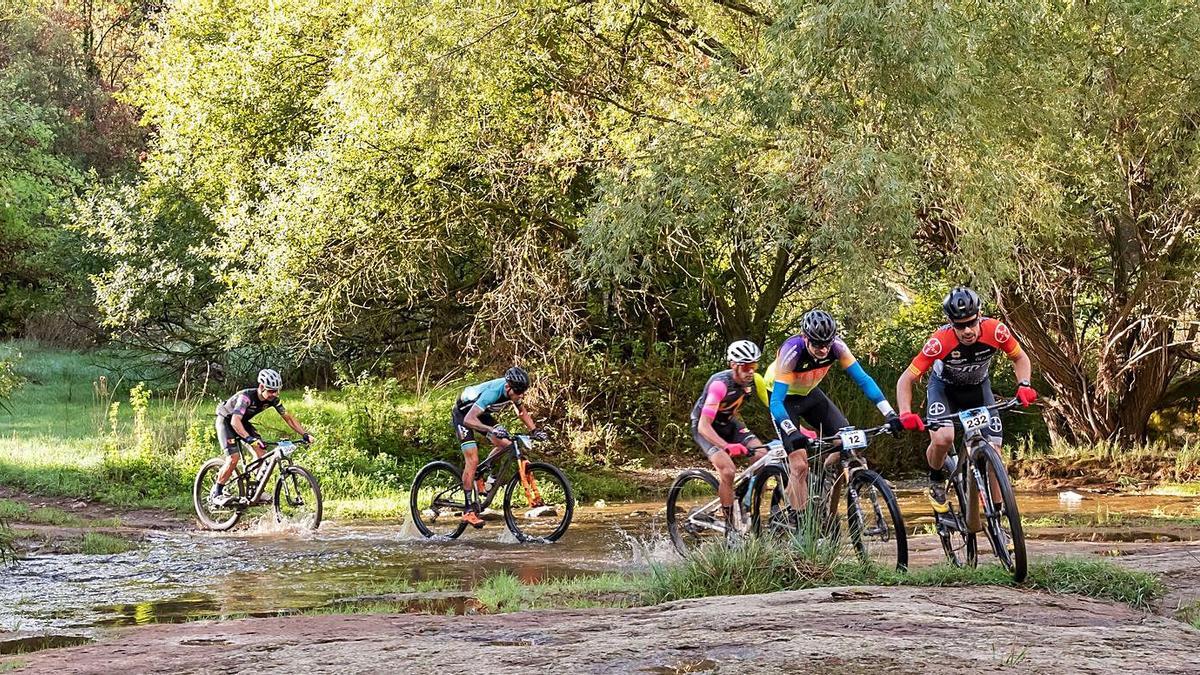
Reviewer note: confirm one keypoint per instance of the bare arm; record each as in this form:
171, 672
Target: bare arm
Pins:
527, 419
473, 422
709, 434
904, 391
294, 423
236, 423
1023, 367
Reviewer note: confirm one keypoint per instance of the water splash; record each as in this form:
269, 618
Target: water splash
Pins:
651, 548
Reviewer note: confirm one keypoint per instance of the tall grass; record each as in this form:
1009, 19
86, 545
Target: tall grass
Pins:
761, 566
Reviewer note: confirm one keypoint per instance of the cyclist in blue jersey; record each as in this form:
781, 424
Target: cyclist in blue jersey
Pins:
793, 380
473, 412
233, 424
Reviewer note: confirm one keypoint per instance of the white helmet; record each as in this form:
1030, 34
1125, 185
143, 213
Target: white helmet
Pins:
743, 351
270, 379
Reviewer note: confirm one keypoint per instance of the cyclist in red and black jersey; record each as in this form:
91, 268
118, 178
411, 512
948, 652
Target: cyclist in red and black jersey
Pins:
960, 356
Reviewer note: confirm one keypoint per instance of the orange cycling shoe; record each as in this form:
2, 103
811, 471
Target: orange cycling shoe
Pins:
472, 519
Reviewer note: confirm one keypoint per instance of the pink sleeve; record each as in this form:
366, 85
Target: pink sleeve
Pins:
712, 401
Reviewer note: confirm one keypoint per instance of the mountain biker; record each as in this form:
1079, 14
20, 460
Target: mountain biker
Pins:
793, 380
716, 426
473, 411
233, 425
960, 355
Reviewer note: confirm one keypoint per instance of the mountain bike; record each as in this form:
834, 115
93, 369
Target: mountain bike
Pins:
538, 502
296, 495
874, 523
983, 495
694, 514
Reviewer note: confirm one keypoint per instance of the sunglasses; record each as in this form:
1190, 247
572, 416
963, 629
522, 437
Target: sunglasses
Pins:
820, 345
271, 391
965, 324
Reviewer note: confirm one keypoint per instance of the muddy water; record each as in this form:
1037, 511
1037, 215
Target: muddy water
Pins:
181, 575
258, 571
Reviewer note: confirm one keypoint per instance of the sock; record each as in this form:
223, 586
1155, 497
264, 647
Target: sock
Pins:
470, 494
937, 476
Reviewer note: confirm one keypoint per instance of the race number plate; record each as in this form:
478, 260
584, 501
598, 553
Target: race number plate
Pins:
975, 419
853, 440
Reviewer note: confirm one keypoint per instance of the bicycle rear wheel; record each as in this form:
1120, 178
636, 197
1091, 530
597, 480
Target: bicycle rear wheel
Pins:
540, 507
694, 511
437, 500
1002, 521
770, 513
211, 516
298, 498
875, 524
959, 544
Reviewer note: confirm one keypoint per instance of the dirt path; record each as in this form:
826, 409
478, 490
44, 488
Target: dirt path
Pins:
140, 519
861, 630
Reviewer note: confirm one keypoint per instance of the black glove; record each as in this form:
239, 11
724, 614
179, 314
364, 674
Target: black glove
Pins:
895, 428
796, 441
499, 432
252, 440
306, 437
538, 435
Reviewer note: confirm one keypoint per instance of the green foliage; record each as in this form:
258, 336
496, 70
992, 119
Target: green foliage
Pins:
97, 543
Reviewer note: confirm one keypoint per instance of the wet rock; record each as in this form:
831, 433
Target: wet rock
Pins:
600, 504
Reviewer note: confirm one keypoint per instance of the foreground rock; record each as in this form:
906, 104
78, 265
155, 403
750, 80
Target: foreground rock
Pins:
860, 630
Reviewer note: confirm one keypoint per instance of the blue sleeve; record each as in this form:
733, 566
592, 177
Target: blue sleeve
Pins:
864, 382
778, 393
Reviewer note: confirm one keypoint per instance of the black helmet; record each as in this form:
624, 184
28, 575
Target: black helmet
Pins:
517, 378
961, 303
819, 326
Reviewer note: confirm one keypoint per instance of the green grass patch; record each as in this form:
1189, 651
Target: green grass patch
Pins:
504, 592
97, 543
9, 665
760, 566
1189, 614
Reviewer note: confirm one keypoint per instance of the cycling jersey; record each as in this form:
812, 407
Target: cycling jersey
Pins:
248, 404
721, 398
488, 397
796, 373
958, 364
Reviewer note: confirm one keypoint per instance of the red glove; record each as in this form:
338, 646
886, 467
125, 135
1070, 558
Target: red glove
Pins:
737, 450
1026, 395
912, 421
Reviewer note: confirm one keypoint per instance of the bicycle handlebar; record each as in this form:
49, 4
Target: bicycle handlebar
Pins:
952, 419
825, 443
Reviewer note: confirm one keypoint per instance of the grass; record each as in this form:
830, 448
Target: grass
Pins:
97, 543
9, 665
1165, 461
76, 430
504, 592
759, 566
48, 515
1189, 614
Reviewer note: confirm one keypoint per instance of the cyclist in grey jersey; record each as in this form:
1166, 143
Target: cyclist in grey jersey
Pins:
233, 424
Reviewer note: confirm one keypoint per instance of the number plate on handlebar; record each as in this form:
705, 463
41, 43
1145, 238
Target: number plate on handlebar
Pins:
853, 440
975, 419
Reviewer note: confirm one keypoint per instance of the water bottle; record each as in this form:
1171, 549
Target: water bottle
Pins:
487, 485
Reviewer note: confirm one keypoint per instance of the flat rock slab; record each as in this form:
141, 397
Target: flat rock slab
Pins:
851, 630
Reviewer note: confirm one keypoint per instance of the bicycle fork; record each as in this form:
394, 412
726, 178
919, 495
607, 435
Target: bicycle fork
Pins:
532, 496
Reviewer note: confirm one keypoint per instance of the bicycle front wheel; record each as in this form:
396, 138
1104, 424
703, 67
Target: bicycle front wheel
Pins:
538, 506
771, 514
211, 516
875, 524
998, 503
437, 500
298, 498
958, 542
694, 511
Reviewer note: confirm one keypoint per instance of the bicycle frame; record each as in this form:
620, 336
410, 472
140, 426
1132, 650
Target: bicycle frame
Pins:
775, 455
272, 459
964, 443
851, 460
501, 461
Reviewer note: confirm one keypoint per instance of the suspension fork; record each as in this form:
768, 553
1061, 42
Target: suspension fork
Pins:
532, 496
